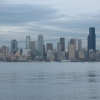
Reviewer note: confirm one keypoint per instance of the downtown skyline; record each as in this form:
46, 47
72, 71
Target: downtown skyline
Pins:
38, 50
53, 19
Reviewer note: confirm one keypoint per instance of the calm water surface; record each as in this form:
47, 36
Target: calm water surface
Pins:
50, 81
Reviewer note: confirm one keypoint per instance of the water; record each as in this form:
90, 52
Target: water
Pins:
50, 81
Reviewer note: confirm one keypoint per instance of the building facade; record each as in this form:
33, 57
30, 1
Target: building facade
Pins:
79, 44
5, 51
62, 41
32, 47
73, 42
92, 39
14, 47
71, 52
40, 45
49, 46
27, 42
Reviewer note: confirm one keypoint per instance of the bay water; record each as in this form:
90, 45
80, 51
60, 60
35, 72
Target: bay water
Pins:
50, 81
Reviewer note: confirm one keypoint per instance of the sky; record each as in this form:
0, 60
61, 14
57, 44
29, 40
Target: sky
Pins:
52, 18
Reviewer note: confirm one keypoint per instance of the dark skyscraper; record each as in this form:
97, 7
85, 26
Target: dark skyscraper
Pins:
62, 41
92, 39
49, 46
14, 47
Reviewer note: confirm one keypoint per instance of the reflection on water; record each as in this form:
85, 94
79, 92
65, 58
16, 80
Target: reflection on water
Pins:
73, 81
92, 77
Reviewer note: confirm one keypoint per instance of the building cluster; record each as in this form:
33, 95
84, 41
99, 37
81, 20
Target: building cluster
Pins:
38, 51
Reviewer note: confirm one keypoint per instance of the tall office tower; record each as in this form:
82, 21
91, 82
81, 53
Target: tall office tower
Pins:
40, 45
5, 51
73, 41
32, 47
71, 52
14, 47
49, 46
59, 49
27, 42
62, 41
44, 54
79, 44
92, 39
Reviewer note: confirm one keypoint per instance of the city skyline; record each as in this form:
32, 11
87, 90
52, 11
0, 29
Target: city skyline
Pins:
39, 50
61, 40
51, 18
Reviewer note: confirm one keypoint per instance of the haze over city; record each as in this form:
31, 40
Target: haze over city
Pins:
54, 19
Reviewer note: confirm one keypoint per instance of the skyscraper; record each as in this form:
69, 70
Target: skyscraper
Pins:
32, 47
40, 45
62, 41
27, 42
49, 46
5, 50
59, 49
14, 47
73, 41
71, 50
92, 39
79, 44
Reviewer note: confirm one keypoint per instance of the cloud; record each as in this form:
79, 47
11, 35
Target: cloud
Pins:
19, 20
26, 13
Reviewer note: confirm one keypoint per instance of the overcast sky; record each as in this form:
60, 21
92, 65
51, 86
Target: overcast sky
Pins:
52, 18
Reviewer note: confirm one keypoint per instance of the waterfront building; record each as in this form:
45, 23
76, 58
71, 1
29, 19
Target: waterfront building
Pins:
81, 55
27, 42
14, 47
91, 54
26, 53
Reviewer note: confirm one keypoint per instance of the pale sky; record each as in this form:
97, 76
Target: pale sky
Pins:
52, 18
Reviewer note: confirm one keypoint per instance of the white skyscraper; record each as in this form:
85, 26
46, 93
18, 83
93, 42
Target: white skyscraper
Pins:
79, 44
27, 42
40, 45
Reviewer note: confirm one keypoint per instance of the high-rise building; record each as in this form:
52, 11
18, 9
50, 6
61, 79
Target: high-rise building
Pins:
44, 54
14, 47
79, 44
71, 52
5, 51
59, 49
73, 41
32, 47
92, 39
62, 41
49, 46
40, 45
27, 42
